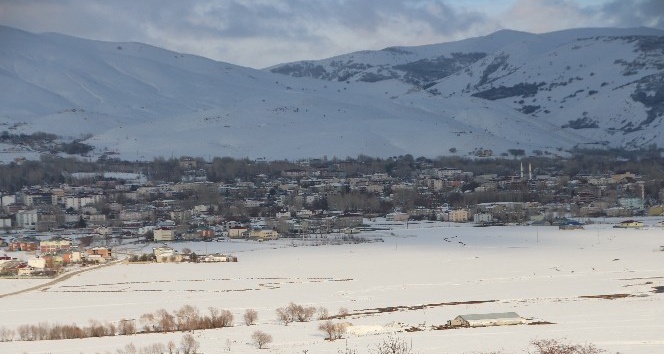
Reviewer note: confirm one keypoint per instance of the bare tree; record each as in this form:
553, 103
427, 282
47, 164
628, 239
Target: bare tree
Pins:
261, 339
148, 321
172, 348
129, 349
187, 318
328, 328
553, 346
156, 348
24, 332
392, 345
323, 313
343, 312
126, 327
96, 329
333, 330
250, 317
165, 320
283, 316
226, 318
188, 344
340, 329
300, 313
111, 329
6, 334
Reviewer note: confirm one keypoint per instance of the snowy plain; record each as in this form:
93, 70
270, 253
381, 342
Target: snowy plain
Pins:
542, 273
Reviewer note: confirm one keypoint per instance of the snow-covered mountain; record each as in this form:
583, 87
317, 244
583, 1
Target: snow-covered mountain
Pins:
509, 90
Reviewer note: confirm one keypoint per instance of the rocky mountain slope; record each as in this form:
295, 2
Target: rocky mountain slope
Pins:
506, 92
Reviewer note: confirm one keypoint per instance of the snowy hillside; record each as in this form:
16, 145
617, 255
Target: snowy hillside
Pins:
602, 84
508, 90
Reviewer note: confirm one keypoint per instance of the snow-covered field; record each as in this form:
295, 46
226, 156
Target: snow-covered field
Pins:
539, 272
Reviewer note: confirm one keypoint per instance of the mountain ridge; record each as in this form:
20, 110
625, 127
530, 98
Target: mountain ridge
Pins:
510, 90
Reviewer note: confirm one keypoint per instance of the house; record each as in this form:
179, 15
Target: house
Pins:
570, 225
102, 252
217, 257
629, 224
349, 220
283, 215
71, 256
238, 232
206, 233
55, 244
11, 267
27, 219
294, 173
459, 215
398, 217
166, 254
162, 234
5, 221
76, 202
53, 260
487, 319
265, 234
37, 262
482, 218
24, 244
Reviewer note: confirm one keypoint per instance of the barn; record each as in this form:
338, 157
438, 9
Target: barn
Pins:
487, 319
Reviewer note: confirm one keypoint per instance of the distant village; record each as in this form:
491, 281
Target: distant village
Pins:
81, 219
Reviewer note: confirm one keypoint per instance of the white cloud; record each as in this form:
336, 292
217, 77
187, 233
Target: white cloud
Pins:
262, 33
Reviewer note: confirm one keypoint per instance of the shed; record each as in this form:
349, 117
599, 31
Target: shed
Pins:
487, 319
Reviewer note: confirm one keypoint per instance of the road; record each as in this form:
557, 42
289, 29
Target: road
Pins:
60, 279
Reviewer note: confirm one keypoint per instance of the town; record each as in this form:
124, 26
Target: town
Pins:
79, 217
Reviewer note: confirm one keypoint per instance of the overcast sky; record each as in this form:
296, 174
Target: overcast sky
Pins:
261, 33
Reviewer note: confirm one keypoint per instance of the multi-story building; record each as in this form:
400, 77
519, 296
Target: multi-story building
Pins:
54, 245
27, 219
163, 234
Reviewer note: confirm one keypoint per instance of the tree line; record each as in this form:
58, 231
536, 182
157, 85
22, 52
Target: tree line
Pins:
52, 169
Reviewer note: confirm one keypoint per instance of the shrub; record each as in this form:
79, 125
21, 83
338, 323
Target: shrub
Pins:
553, 346
392, 345
226, 318
250, 317
261, 339
343, 312
333, 330
188, 344
323, 313
283, 316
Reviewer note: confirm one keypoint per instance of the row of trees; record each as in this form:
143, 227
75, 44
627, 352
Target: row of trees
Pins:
188, 345
298, 313
186, 318
189, 318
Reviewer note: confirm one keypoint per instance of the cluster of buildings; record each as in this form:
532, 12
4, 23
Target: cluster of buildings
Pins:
318, 200
308, 200
48, 256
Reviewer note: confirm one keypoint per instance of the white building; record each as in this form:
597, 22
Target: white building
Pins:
487, 319
5, 221
264, 234
37, 262
166, 254
77, 202
163, 234
27, 219
482, 218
